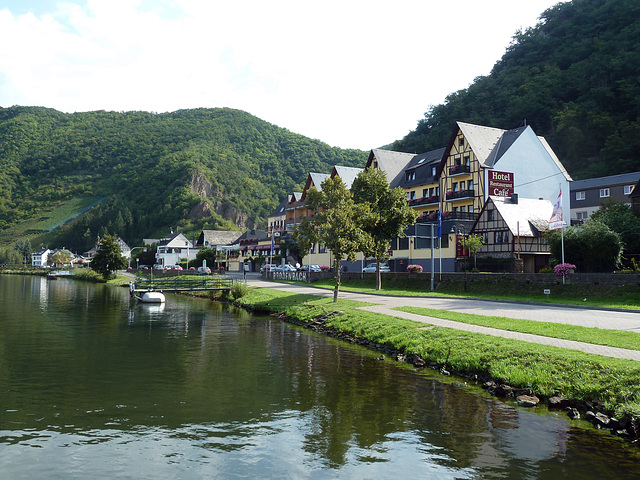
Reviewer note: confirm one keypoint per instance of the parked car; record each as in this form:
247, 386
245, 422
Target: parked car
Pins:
267, 266
371, 268
284, 268
157, 266
176, 267
310, 268
204, 270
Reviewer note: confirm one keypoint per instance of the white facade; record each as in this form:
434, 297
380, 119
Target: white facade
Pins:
174, 249
40, 257
538, 174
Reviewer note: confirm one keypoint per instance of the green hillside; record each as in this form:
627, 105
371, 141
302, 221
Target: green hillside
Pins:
186, 170
574, 78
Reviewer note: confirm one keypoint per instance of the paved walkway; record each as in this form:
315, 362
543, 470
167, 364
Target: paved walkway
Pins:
593, 318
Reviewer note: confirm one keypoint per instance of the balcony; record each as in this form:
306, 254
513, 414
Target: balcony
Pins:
433, 216
459, 170
460, 194
430, 200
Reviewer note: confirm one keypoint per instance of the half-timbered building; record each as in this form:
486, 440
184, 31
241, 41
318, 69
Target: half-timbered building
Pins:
512, 228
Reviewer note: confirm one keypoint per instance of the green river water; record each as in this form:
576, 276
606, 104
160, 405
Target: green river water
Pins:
95, 385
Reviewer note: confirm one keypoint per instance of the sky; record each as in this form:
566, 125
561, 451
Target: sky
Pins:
351, 73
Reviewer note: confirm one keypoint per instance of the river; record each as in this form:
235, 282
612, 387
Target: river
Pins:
95, 385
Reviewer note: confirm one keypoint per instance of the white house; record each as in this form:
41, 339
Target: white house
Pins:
39, 257
173, 249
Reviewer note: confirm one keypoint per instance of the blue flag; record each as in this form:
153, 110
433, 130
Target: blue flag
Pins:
273, 238
439, 225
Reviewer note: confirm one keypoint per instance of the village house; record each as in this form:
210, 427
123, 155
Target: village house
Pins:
512, 229
40, 257
587, 195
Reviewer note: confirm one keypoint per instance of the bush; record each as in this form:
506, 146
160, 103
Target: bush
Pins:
414, 268
239, 290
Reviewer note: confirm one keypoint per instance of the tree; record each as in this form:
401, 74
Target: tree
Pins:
108, 258
620, 218
388, 215
207, 254
473, 243
23, 247
62, 257
336, 224
592, 247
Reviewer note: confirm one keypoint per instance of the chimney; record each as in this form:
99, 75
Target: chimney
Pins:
514, 198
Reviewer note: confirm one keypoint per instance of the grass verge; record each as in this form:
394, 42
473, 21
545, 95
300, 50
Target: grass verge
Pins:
548, 371
610, 338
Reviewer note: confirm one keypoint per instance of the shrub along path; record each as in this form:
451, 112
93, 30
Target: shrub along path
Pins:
586, 317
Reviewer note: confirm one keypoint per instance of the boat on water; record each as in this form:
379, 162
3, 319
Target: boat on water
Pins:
152, 297
149, 296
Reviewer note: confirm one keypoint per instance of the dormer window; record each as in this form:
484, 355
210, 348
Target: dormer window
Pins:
411, 175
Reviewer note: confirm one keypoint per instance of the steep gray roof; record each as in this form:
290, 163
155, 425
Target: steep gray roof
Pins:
621, 179
392, 163
218, 237
482, 140
346, 174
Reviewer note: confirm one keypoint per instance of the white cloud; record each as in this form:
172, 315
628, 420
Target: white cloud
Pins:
354, 74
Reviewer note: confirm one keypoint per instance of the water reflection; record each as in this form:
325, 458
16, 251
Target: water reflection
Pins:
207, 390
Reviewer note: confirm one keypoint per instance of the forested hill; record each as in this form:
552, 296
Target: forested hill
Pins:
186, 170
575, 78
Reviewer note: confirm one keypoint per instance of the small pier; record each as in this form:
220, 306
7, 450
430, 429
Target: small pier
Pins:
183, 284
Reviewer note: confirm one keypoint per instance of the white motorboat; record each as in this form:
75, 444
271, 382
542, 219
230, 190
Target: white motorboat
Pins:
152, 297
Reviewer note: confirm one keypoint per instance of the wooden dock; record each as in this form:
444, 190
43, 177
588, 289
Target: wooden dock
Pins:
184, 284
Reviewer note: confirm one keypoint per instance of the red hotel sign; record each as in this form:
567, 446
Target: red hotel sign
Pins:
500, 183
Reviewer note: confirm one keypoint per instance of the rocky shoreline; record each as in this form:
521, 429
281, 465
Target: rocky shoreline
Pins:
593, 412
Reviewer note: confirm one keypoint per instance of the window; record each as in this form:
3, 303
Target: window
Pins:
425, 192
604, 192
582, 215
470, 187
403, 243
462, 185
322, 249
628, 189
463, 208
461, 142
408, 196
437, 190
412, 195
433, 171
455, 186
467, 161
580, 196
470, 208
501, 237
411, 175
490, 215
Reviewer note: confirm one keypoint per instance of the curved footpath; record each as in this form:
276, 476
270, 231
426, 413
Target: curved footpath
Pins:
586, 317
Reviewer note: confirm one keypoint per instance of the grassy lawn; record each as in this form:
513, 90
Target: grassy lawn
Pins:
610, 338
547, 370
627, 297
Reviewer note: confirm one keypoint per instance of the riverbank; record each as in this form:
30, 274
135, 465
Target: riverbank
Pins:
564, 378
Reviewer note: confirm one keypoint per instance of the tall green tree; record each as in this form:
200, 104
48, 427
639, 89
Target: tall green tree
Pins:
23, 247
620, 218
592, 247
388, 215
336, 224
108, 258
